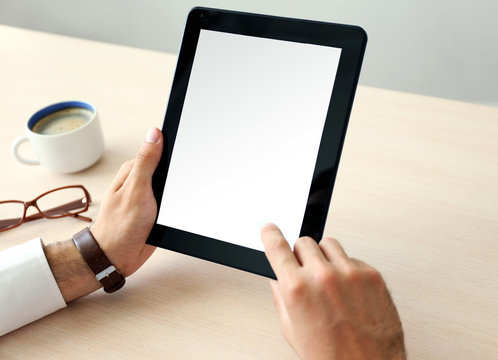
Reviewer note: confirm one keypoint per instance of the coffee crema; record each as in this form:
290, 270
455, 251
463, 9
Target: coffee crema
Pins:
63, 120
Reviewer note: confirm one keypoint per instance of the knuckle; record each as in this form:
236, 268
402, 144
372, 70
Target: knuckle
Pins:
144, 156
329, 240
125, 167
306, 240
295, 287
374, 275
303, 242
325, 275
127, 164
327, 281
275, 246
351, 273
298, 244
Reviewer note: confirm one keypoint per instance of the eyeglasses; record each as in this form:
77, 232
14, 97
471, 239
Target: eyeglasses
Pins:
57, 203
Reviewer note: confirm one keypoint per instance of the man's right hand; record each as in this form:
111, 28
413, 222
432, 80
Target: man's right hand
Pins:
331, 306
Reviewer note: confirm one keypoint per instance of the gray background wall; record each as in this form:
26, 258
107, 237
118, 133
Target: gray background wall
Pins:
443, 48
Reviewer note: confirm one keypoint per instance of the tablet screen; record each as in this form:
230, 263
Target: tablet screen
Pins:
248, 137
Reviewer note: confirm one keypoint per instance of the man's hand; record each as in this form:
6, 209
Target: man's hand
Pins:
331, 306
129, 209
126, 217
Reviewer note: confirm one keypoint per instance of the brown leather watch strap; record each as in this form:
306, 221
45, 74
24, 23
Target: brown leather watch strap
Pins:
110, 278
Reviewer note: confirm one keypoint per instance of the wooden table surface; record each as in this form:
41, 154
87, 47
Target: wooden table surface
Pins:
416, 196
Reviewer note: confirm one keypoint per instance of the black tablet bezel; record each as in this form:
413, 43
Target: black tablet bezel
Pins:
352, 41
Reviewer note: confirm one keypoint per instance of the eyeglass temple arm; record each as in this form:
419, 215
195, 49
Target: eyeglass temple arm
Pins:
81, 217
8, 222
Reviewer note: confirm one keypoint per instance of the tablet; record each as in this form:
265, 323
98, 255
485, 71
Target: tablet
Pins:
253, 131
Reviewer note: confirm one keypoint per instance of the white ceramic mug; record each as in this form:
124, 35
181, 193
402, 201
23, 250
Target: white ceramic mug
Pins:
65, 152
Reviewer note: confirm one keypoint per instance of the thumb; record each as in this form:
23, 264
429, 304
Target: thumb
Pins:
148, 156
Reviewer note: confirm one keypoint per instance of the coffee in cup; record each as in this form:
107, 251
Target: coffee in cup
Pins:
66, 137
62, 121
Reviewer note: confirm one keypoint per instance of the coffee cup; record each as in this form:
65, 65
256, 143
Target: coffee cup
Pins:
66, 136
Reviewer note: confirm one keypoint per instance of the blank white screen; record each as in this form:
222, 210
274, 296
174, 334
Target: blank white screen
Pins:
248, 137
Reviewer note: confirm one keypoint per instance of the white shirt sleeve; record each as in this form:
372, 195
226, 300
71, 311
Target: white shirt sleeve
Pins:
28, 290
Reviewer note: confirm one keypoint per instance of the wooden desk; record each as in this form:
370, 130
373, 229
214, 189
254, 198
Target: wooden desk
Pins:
416, 197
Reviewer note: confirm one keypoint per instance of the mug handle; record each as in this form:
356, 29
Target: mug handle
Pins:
15, 145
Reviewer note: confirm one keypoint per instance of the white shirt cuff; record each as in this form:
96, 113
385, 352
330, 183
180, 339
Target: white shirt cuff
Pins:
28, 290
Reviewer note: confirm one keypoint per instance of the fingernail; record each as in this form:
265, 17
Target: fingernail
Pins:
268, 225
152, 136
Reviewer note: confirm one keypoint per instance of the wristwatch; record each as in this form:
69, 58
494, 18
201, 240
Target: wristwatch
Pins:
106, 273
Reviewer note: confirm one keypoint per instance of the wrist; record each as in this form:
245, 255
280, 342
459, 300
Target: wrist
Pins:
110, 247
73, 276
105, 272
125, 247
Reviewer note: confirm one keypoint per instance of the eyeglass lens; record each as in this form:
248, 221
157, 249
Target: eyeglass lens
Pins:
62, 202
11, 214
